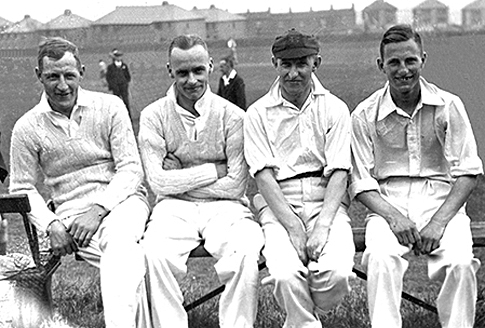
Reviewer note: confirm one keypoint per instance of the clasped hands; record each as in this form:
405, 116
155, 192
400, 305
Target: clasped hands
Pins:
423, 242
309, 248
67, 240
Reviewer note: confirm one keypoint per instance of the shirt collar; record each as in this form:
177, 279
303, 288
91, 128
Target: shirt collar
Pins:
201, 105
231, 76
276, 99
82, 101
429, 96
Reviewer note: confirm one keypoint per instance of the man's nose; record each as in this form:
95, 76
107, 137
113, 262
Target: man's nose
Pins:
293, 71
62, 84
192, 78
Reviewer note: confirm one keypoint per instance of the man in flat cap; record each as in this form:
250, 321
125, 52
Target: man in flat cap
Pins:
118, 77
297, 145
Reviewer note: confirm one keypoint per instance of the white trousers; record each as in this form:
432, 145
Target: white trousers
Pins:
302, 291
453, 263
115, 250
175, 228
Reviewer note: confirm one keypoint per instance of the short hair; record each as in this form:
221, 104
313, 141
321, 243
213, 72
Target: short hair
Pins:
400, 33
229, 60
55, 48
185, 42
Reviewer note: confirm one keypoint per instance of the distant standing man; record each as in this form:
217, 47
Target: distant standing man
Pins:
118, 77
297, 145
191, 142
231, 84
81, 145
102, 73
415, 165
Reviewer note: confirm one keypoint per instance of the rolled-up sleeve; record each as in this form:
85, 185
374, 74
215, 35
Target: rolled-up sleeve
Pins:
257, 149
362, 157
337, 140
460, 146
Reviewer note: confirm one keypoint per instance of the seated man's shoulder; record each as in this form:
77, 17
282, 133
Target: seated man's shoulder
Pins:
368, 106
228, 108
30, 117
446, 96
158, 107
261, 104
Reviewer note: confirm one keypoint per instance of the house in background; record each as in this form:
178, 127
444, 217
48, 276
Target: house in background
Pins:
431, 15
4, 24
26, 25
473, 15
20, 36
145, 24
323, 22
221, 24
379, 16
69, 26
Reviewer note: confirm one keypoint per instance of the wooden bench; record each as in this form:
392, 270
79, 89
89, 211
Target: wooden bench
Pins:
478, 232
32, 286
20, 204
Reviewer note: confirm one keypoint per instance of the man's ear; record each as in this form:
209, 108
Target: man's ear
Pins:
211, 65
424, 58
380, 64
169, 70
82, 71
317, 62
274, 61
38, 73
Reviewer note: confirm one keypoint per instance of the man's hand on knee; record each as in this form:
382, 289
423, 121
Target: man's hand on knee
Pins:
83, 228
61, 241
430, 237
406, 232
316, 242
299, 241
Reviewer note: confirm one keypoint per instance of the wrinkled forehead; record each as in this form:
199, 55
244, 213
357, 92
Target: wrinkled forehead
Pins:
67, 62
195, 54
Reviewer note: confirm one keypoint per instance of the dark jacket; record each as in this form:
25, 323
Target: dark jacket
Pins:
234, 91
117, 76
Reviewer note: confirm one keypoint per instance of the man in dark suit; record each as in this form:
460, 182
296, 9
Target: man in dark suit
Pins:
118, 77
231, 85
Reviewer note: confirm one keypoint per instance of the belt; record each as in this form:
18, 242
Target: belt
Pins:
314, 174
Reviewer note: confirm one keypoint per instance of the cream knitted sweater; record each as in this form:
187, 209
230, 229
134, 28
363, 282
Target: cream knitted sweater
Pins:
89, 158
219, 140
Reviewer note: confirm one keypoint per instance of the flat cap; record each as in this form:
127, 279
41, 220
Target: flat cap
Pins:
115, 53
294, 44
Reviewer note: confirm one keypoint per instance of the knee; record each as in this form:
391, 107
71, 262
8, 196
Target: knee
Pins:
463, 269
329, 288
383, 261
290, 277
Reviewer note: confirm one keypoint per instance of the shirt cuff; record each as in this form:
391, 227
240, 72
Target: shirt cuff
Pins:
360, 186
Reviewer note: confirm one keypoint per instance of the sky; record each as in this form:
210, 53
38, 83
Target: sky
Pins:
46, 10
